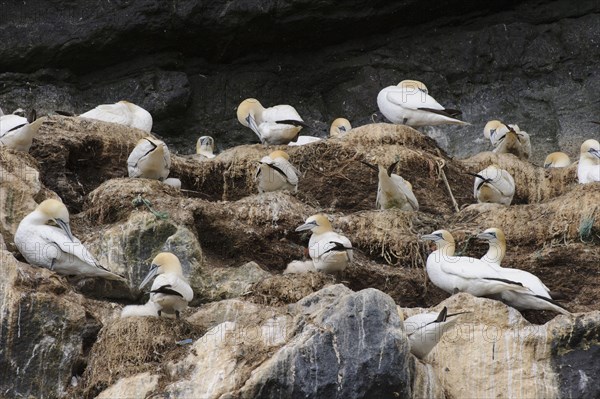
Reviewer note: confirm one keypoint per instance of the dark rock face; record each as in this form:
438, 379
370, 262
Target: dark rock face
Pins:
190, 64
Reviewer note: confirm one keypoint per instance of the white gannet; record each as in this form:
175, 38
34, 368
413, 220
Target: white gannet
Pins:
331, 252
274, 125
55, 248
464, 274
589, 162
557, 160
122, 112
409, 103
17, 132
149, 159
425, 330
493, 185
494, 129
512, 140
170, 292
539, 298
205, 147
393, 191
339, 127
303, 140
275, 172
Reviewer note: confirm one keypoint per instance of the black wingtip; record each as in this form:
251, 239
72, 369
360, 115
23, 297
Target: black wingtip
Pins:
504, 281
166, 289
369, 165
442, 316
391, 168
552, 301
64, 113
32, 115
292, 122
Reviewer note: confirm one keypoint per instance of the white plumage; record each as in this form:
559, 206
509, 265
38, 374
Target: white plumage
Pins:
494, 185
275, 125
122, 112
304, 140
17, 132
425, 330
275, 172
588, 170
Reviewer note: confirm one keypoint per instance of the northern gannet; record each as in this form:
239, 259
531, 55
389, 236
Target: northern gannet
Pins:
17, 132
339, 127
205, 147
464, 274
513, 141
331, 252
170, 292
274, 125
124, 113
494, 129
275, 172
409, 103
55, 248
557, 160
149, 159
393, 191
493, 185
539, 298
588, 170
425, 330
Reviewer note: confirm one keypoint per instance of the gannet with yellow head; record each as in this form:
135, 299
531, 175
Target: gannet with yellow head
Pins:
17, 132
513, 141
275, 172
539, 298
56, 248
588, 170
331, 252
122, 112
393, 191
205, 147
409, 103
275, 125
150, 159
557, 160
461, 273
170, 291
339, 127
493, 185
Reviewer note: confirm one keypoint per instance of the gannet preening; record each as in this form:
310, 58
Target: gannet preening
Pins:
494, 129
170, 292
588, 170
55, 248
512, 140
339, 127
331, 252
274, 125
275, 172
464, 274
393, 191
425, 330
149, 159
539, 298
205, 147
409, 103
17, 132
493, 185
124, 113
557, 160
300, 266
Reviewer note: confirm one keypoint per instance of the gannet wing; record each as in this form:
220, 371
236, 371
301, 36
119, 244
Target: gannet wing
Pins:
172, 284
115, 113
413, 99
281, 113
404, 189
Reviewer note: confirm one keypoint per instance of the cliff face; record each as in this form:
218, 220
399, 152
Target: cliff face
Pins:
190, 63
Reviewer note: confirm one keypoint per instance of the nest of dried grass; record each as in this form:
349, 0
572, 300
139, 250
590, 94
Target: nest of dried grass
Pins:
287, 288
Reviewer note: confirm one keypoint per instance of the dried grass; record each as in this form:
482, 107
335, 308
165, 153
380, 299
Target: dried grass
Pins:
285, 289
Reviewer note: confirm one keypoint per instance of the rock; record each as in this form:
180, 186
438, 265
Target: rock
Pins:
226, 282
134, 387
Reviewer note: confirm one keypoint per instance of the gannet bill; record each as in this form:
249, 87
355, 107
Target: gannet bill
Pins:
17, 132
409, 103
149, 159
588, 170
339, 127
56, 248
464, 274
425, 330
275, 125
205, 147
539, 298
122, 112
303, 140
557, 160
512, 140
330, 251
275, 172
393, 191
170, 291
493, 185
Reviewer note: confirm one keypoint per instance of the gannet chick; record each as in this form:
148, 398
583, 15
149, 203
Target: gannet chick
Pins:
393, 191
409, 103
339, 127
461, 273
299, 266
512, 140
331, 252
124, 113
588, 170
148, 309
425, 330
149, 159
539, 298
205, 147
17, 132
493, 185
274, 125
170, 292
275, 172
557, 160
55, 248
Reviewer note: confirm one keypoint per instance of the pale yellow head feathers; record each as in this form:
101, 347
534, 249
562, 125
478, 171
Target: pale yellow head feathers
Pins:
590, 148
248, 107
491, 127
557, 160
493, 235
413, 85
54, 209
167, 263
279, 154
440, 237
318, 224
339, 127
